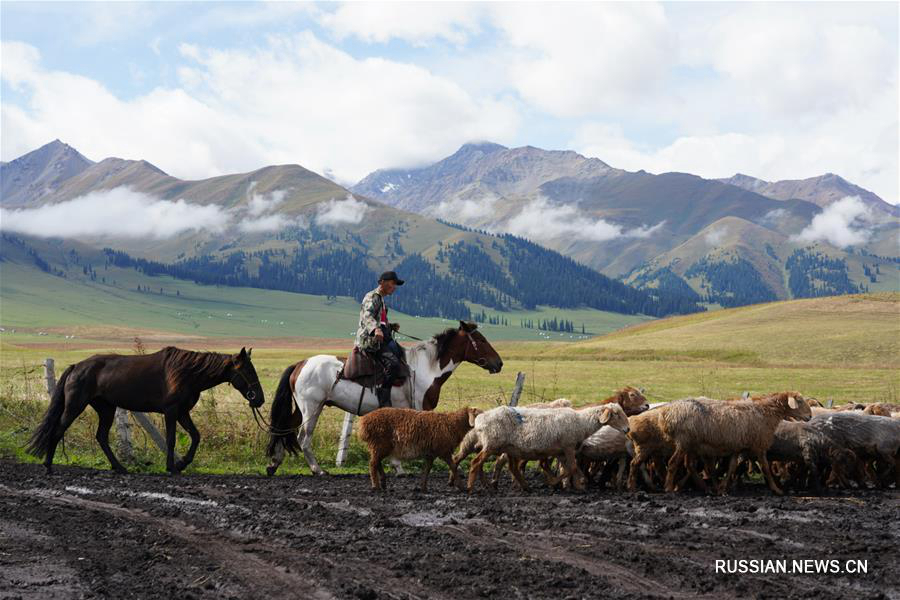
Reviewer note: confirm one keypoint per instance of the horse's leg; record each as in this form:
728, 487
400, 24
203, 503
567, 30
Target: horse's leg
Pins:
311, 410
171, 416
107, 414
188, 424
75, 405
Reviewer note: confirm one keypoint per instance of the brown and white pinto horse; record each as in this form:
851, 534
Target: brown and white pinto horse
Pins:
310, 385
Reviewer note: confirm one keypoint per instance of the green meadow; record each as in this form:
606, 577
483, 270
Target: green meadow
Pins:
843, 349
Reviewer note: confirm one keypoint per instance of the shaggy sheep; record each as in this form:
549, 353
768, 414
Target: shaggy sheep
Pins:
531, 434
870, 437
407, 434
713, 429
629, 398
650, 444
796, 441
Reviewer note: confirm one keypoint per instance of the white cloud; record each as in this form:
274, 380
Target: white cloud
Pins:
571, 58
841, 224
120, 212
124, 212
792, 61
466, 211
293, 100
774, 216
714, 237
540, 221
335, 212
414, 22
858, 144
267, 223
260, 204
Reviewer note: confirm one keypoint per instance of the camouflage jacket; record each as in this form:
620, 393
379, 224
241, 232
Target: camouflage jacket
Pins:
369, 319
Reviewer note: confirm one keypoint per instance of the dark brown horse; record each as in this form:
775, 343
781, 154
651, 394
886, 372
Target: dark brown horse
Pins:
167, 382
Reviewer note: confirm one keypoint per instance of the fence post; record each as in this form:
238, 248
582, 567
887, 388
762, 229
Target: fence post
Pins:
50, 376
517, 391
344, 443
123, 429
145, 422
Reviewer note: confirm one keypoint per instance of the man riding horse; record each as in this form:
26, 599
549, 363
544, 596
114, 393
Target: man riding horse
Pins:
375, 335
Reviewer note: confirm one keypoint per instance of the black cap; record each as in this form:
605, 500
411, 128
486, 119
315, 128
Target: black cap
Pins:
390, 276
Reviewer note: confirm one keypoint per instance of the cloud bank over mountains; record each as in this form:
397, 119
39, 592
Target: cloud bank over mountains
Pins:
845, 223
126, 213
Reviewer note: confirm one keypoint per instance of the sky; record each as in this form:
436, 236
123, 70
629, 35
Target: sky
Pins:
775, 91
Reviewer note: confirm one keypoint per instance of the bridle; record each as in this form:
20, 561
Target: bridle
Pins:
250, 395
480, 361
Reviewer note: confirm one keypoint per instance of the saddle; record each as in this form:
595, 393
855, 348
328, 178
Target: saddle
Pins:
362, 369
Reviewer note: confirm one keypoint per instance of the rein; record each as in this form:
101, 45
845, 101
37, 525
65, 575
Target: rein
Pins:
257, 416
412, 337
250, 395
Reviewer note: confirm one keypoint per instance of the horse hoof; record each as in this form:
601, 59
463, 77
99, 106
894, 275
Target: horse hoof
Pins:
270, 470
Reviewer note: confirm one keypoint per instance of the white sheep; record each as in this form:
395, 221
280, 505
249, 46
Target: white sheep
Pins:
532, 434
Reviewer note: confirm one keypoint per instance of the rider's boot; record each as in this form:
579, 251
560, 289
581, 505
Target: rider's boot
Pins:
384, 396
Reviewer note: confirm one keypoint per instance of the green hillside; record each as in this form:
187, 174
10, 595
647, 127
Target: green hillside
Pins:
861, 330
32, 301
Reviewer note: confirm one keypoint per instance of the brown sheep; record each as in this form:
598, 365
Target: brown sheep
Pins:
711, 428
629, 398
881, 409
407, 434
650, 443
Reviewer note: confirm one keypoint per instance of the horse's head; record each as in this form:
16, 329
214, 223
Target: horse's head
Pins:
476, 349
245, 380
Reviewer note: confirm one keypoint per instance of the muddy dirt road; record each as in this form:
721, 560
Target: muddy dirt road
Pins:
92, 534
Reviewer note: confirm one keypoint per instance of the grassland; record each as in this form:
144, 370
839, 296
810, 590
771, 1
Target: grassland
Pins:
844, 348
32, 301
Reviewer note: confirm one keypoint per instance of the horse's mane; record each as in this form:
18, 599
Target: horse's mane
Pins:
186, 363
444, 339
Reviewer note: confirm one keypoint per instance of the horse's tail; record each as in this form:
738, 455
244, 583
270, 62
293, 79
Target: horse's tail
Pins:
284, 417
43, 437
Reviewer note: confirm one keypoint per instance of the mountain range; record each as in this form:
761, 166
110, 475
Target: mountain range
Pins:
631, 225
285, 227
489, 226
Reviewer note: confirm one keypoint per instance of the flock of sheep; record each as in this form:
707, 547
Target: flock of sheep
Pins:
700, 442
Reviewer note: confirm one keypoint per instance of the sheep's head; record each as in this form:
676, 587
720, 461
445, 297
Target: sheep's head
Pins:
473, 412
613, 415
877, 409
797, 407
632, 400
